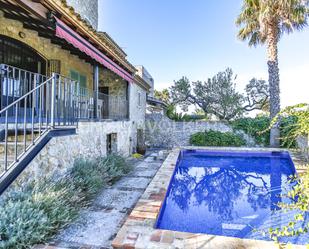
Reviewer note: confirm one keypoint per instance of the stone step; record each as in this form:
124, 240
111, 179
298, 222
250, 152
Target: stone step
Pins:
20, 138
11, 147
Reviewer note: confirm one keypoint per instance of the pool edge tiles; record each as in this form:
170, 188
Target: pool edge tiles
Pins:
138, 231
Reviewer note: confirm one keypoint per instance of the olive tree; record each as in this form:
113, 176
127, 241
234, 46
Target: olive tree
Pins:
218, 95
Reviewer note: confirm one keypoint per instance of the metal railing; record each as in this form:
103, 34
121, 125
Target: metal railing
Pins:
51, 104
85, 103
16, 82
112, 107
108, 106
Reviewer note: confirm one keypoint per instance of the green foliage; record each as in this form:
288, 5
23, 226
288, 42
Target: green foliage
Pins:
163, 95
252, 127
32, 215
260, 19
258, 129
216, 138
300, 203
181, 117
296, 120
218, 95
296, 126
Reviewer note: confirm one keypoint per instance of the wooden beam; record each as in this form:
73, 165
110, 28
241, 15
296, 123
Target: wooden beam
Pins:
35, 8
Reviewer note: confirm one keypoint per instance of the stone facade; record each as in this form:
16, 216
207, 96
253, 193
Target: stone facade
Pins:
116, 85
89, 142
46, 49
87, 9
162, 132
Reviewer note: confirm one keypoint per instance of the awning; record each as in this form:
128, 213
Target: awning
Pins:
66, 33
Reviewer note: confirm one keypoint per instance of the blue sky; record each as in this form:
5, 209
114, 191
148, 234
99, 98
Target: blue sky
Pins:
197, 38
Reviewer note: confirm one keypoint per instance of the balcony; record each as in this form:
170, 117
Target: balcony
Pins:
16, 82
109, 107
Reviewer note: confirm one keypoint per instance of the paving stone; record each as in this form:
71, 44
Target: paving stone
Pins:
118, 199
150, 159
93, 228
139, 172
149, 165
132, 182
98, 224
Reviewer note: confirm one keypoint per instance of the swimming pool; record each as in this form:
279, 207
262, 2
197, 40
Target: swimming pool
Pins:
228, 193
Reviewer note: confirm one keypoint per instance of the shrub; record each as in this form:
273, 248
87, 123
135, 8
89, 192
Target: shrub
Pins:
252, 127
33, 214
137, 156
114, 167
216, 138
257, 128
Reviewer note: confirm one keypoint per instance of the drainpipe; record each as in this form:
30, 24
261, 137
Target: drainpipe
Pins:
95, 90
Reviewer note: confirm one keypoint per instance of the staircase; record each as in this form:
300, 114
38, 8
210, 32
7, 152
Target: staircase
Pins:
28, 122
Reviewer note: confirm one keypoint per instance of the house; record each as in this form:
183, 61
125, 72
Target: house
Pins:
153, 105
59, 75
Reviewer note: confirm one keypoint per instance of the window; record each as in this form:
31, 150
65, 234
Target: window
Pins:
82, 79
111, 143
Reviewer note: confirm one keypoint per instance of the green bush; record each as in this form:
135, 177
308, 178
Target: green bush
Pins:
258, 129
216, 138
252, 127
35, 213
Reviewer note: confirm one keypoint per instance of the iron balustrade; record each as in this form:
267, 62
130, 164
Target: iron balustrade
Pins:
52, 104
108, 106
86, 103
112, 107
32, 104
16, 82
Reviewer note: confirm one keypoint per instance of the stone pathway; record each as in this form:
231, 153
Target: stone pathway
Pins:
98, 225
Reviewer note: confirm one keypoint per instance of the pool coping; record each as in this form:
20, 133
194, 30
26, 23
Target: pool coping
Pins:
139, 232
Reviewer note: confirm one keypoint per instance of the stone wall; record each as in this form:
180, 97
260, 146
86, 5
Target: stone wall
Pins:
116, 85
165, 133
46, 49
89, 142
87, 9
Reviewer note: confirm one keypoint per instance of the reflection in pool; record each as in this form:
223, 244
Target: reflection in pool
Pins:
229, 193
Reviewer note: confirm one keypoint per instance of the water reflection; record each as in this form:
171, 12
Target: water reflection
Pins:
219, 188
225, 195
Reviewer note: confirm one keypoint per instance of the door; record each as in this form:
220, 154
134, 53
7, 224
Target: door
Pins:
16, 83
104, 96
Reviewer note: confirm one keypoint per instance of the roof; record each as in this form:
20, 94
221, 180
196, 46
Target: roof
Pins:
100, 39
155, 101
141, 82
106, 35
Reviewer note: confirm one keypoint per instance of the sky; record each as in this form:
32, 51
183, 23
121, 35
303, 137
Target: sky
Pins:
197, 39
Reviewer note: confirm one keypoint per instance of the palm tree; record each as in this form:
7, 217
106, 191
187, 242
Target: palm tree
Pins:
264, 22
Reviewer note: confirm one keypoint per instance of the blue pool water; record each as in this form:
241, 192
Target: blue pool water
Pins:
229, 193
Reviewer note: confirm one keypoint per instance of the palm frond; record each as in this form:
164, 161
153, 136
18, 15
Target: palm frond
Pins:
258, 17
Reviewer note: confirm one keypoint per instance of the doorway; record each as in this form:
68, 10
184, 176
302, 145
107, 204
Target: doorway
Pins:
16, 83
104, 98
